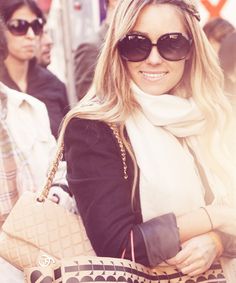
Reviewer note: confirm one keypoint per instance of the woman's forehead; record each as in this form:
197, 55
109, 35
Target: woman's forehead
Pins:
159, 19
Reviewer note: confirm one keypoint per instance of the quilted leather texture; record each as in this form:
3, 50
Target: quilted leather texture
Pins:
17, 252
33, 227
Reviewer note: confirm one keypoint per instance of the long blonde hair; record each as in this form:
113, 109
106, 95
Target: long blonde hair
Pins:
110, 98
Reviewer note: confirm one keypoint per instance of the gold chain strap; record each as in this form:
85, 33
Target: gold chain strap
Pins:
116, 134
51, 174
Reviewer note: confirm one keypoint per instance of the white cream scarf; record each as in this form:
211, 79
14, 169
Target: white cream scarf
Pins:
162, 134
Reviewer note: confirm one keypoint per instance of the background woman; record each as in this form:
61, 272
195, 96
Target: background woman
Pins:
24, 25
158, 92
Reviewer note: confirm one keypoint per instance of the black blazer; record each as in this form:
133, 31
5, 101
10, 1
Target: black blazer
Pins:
103, 196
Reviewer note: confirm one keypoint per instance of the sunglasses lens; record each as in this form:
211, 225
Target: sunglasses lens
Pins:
18, 27
173, 47
134, 48
37, 26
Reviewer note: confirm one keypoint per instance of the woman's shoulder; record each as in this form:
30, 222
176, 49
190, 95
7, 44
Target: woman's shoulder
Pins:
87, 129
82, 124
17, 99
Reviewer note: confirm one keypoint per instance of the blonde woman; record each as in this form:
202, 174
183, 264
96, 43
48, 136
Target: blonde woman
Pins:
144, 148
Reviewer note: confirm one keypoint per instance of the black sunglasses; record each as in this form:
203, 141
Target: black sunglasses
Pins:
20, 27
171, 46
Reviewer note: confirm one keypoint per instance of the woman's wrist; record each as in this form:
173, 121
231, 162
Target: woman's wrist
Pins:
219, 215
218, 243
194, 223
208, 217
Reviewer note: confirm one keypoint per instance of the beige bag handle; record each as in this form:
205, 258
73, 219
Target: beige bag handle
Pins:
51, 174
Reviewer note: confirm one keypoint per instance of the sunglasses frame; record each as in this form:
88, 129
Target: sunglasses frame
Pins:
26, 25
151, 45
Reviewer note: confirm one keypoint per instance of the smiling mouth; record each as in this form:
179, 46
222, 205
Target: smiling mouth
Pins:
153, 76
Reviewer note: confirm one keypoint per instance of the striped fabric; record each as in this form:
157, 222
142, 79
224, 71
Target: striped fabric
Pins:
14, 169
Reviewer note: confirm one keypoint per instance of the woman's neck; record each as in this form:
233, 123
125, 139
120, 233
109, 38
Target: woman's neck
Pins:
18, 71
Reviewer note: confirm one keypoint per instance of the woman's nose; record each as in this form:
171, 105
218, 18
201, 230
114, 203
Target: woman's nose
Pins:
154, 56
30, 32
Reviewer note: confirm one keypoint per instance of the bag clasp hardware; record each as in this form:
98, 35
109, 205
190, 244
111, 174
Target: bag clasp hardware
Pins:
46, 260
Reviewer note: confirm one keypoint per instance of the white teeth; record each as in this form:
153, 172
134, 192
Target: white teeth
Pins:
153, 76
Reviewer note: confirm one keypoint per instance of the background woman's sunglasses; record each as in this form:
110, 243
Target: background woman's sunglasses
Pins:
20, 27
171, 46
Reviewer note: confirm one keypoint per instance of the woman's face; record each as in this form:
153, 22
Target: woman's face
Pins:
22, 47
156, 75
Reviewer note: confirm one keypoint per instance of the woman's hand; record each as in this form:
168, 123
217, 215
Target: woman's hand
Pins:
196, 256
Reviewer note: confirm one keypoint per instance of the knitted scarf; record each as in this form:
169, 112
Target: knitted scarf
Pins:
168, 141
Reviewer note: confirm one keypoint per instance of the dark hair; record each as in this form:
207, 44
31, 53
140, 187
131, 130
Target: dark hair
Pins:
8, 7
3, 46
3, 43
218, 28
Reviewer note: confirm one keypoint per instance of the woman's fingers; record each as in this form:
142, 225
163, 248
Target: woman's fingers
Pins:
196, 255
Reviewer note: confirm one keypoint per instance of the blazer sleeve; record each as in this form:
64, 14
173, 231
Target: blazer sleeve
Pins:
103, 197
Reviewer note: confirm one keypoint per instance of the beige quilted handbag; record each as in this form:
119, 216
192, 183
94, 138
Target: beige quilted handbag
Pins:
39, 232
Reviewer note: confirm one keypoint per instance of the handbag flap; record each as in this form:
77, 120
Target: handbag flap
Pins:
48, 226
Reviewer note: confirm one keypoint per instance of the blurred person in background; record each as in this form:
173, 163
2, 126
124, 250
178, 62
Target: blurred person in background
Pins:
86, 54
24, 25
227, 56
45, 47
26, 149
216, 30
